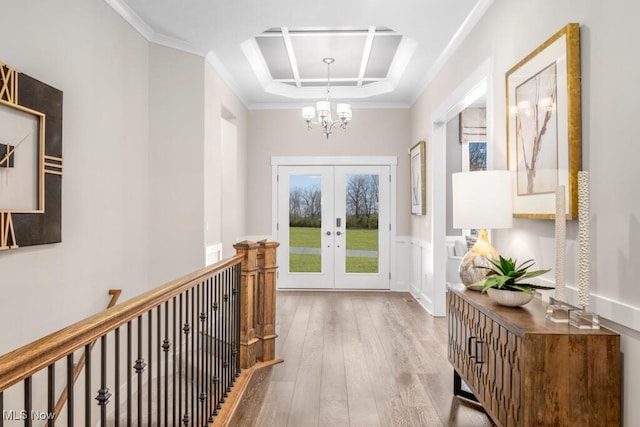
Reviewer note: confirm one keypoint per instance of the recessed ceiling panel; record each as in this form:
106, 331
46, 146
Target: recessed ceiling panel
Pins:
383, 50
310, 50
275, 55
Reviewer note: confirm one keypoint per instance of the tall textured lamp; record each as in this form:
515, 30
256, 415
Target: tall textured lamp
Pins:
481, 200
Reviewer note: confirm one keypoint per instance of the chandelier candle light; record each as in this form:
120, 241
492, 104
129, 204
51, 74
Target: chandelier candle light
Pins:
324, 109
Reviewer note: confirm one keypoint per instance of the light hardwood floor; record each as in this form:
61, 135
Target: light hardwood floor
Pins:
356, 359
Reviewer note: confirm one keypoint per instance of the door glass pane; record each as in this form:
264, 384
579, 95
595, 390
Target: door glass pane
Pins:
304, 224
362, 195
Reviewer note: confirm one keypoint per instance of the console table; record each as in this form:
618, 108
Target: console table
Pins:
526, 370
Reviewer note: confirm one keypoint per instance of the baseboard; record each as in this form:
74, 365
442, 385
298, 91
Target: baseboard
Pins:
228, 410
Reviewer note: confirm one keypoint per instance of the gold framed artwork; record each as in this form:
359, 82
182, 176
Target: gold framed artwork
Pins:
544, 126
417, 166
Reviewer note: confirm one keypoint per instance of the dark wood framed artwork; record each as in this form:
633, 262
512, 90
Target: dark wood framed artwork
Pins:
30, 161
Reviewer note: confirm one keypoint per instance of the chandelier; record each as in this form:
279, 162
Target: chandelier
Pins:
324, 109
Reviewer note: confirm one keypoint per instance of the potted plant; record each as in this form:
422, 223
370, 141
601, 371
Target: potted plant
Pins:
503, 281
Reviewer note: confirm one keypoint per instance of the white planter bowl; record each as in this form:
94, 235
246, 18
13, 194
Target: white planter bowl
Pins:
509, 298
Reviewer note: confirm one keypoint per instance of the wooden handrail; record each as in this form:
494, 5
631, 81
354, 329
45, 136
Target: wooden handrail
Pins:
25, 361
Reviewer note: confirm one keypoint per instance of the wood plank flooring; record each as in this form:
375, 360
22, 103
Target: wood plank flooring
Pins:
356, 359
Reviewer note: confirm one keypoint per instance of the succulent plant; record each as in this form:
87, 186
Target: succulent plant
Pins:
505, 274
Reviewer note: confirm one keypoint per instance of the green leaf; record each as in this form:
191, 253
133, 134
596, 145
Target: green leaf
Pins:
526, 265
535, 273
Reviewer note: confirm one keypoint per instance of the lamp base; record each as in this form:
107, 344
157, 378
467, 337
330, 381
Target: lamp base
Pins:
478, 256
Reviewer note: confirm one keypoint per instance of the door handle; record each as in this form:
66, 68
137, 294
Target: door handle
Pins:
338, 233
328, 233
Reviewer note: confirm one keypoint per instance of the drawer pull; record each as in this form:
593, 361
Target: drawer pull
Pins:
479, 351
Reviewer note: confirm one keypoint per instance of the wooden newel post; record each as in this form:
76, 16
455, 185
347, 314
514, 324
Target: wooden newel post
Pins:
248, 284
266, 314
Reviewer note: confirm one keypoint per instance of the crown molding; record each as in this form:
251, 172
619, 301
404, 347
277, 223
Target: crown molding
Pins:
151, 36
469, 23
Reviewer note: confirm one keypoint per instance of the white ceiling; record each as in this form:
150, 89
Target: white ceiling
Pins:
270, 52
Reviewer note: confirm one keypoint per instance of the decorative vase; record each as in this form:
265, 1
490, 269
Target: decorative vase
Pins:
478, 256
509, 298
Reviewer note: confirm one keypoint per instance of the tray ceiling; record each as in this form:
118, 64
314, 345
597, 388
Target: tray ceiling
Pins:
270, 52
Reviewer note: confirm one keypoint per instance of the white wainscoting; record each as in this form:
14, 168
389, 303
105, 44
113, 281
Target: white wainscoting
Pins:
415, 273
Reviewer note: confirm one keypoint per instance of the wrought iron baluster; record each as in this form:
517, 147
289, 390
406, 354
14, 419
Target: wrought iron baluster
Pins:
103, 394
179, 368
166, 345
176, 367
28, 401
198, 380
229, 321
116, 380
70, 390
194, 323
150, 366
87, 385
129, 375
51, 395
139, 368
186, 329
159, 367
209, 372
216, 340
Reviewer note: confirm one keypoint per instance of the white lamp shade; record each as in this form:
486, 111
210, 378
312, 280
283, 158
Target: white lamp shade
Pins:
308, 113
323, 108
482, 199
344, 111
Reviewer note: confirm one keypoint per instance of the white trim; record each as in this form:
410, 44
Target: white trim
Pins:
225, 75
463, 96
354, 106
469, 23
337, 161
611, 312
366, 55
131, 17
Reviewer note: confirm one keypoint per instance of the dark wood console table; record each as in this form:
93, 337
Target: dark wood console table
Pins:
526, 370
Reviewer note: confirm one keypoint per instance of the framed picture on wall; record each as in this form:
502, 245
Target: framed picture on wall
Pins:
417, 166
544, 126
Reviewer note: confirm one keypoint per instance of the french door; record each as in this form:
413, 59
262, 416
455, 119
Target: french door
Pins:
333, 227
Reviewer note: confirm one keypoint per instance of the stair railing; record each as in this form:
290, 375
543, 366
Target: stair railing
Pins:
167, 357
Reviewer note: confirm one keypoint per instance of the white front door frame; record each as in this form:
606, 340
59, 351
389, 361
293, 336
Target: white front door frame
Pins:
390, 161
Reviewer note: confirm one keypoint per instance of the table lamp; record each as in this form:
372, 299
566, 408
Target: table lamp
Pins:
481, 200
